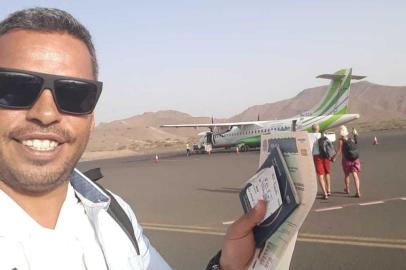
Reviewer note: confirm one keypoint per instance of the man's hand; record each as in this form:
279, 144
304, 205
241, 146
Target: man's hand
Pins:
239, 244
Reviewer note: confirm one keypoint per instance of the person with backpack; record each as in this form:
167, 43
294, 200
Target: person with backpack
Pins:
351, 164
323, 151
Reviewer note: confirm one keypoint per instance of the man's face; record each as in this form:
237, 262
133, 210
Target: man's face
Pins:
40, 146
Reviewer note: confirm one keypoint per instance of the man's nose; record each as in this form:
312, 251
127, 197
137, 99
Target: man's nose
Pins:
44, 111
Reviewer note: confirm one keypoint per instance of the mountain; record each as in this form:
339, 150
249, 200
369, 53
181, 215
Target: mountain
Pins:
142, 131
372, 101
375, 103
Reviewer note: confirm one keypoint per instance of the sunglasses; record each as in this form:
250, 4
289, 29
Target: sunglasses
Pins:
20, 89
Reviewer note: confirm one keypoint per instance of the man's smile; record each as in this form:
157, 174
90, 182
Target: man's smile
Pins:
40, 144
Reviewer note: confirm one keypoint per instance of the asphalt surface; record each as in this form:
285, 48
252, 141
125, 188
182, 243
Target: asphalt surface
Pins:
185, 203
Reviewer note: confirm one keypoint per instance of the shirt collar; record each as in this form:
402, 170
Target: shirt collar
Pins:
19, 224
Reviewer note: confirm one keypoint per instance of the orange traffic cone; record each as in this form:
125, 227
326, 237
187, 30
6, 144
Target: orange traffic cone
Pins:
156, 159
375, 141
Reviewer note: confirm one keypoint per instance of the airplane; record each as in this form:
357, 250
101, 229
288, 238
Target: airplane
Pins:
330, 112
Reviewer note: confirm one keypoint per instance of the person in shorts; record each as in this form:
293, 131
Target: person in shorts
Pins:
322, 165
350, 167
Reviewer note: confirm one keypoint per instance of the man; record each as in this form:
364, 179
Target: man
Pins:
52, 216
322, 164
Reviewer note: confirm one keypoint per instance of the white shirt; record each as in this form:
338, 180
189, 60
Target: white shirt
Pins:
86, 236
26, 245
314, 137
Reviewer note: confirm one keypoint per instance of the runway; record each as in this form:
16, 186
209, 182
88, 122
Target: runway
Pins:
186, 203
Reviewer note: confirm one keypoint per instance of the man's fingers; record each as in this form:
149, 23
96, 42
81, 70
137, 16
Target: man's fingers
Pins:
247, 222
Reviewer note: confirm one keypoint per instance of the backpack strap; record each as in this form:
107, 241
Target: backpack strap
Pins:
115, 210
94, 174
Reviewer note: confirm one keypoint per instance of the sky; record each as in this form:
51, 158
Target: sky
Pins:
219, 57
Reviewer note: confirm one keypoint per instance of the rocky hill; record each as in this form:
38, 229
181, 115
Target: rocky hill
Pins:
372, 101
143, 132
375, 103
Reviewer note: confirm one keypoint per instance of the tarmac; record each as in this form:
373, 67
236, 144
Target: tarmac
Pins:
186, 203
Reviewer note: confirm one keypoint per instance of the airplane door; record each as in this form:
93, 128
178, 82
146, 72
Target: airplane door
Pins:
293, 127
209, 138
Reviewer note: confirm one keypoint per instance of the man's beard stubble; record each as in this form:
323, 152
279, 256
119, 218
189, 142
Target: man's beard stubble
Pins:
46, 177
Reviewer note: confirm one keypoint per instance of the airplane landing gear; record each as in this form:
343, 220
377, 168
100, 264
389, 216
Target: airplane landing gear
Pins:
244, 148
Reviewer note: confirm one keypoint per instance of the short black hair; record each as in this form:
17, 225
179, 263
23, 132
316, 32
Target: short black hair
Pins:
48, 20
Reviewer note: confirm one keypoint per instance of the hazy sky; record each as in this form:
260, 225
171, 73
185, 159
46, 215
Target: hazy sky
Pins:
214, 57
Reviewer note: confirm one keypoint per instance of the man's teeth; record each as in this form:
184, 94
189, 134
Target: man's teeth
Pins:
41, 145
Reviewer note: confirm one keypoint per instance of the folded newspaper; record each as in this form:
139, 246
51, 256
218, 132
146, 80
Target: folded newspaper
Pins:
286, 180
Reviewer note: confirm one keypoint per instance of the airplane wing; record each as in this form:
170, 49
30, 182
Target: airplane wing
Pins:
213, 125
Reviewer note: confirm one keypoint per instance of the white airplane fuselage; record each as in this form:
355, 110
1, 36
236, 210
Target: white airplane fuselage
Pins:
250, 135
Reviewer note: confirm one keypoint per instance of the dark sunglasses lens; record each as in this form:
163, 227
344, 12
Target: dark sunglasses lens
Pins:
75, 96
18, 90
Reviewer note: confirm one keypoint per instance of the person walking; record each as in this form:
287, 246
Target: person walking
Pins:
322, 164
351, 164
187, 149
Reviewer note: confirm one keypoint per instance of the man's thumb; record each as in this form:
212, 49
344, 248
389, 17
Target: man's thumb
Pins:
247, 222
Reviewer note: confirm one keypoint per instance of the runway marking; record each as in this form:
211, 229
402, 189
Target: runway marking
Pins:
371, 203
303, 237
184, 230
352, 243
354, 238
357, 204
144, 224
328, 209
228, 222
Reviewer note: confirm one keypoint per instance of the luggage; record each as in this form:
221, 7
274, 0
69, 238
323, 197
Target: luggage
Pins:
326, 148
350, 150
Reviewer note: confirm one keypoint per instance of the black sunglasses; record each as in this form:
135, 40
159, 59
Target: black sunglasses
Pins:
20, 89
